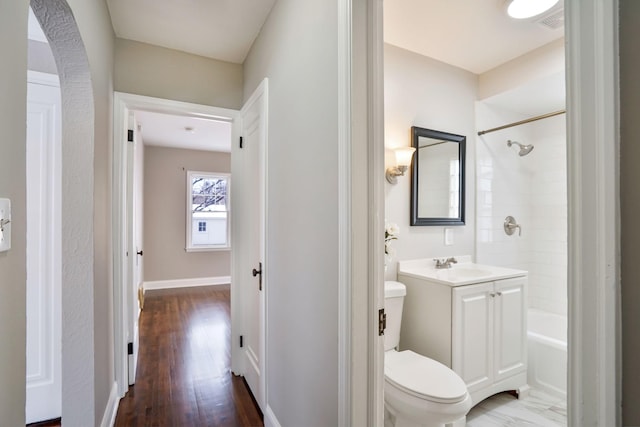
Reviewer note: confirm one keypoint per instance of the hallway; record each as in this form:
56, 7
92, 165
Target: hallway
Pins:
183, 376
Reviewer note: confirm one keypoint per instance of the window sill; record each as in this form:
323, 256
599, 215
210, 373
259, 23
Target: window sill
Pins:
218, 249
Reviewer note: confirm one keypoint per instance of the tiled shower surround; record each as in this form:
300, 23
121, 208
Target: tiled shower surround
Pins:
533, 189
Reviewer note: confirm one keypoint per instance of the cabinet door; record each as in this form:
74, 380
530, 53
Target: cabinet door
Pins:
510, 350
473, 334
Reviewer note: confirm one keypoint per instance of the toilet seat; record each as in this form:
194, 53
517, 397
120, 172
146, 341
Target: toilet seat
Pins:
423, 378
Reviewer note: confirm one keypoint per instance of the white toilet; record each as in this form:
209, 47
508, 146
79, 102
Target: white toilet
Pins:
418, 391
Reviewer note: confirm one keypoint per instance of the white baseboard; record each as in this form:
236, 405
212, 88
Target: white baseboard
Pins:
186, 283
270, 419
110, 412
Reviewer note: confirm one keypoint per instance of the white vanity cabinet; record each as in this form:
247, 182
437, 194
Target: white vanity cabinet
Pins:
477, 329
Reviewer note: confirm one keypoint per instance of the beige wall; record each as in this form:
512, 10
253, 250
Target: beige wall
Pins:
630, 206
155, 71
165, 213
13, 86
86, 327
302, 192
423, 92
95, 27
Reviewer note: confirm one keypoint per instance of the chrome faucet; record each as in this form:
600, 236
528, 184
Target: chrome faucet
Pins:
445, 263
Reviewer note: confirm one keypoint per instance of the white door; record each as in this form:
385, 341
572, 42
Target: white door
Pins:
473, 334
510, 345
43, 249
248, 245
133, 247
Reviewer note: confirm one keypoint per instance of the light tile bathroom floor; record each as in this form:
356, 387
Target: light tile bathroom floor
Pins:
505, 410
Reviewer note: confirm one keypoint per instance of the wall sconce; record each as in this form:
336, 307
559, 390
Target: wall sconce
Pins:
403, 160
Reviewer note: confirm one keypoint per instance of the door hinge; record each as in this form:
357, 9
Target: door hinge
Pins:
382, 321
130, 135
241, 141
241, 341
130, 348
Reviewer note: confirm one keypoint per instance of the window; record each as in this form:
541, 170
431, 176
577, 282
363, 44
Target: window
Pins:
207, 211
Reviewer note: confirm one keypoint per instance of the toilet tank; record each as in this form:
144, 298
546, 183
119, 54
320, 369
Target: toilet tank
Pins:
394, 293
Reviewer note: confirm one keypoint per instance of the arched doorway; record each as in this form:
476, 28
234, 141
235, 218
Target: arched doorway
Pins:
78, 366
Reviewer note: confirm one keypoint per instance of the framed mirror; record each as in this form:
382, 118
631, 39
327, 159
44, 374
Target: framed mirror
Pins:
437, 178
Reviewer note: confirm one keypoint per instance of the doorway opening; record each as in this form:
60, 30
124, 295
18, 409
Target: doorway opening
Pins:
591, 126
76, 321
189, 172
156, 144
451, 84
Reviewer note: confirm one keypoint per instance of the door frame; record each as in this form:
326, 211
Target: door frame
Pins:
594, 368
594, 363
122, 104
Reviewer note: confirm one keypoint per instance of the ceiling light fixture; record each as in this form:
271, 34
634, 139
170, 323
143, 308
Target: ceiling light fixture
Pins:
523, 9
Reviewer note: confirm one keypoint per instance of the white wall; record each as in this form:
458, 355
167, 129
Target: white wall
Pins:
297, 50
423, 92
544, 61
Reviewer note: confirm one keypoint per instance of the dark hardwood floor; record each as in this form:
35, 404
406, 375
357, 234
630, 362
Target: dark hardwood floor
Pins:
184, 376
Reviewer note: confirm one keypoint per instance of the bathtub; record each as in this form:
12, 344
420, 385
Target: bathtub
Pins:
547, 352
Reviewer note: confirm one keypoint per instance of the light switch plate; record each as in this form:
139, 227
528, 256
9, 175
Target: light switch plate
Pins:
448, 236
5, 233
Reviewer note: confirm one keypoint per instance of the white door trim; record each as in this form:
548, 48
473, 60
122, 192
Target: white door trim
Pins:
344, 213
594, 386
377, 202
122, 103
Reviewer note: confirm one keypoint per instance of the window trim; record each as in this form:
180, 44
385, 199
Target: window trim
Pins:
189, 247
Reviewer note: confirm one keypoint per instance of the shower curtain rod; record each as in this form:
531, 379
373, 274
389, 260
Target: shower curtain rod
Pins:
521, 122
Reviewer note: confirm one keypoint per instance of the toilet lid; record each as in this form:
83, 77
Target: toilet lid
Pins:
423, 377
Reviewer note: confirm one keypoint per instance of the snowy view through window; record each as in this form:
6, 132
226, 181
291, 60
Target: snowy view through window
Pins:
209, 210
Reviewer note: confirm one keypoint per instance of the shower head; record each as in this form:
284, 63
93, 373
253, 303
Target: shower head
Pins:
524, 149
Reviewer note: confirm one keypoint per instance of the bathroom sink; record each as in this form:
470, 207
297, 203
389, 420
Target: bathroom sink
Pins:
470, 272
464, 272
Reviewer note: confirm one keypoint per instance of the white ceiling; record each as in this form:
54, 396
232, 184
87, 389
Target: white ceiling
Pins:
165, 130
475, 35
220, 29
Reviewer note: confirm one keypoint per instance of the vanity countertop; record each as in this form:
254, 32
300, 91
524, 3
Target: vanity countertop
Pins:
464, 272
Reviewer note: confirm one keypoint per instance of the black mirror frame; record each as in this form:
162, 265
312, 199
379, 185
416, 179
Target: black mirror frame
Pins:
417, 132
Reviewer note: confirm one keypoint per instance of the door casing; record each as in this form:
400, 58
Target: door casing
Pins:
123, 103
